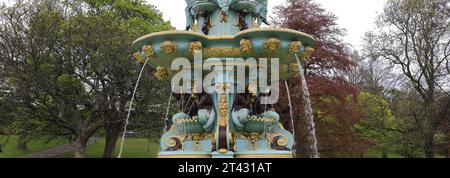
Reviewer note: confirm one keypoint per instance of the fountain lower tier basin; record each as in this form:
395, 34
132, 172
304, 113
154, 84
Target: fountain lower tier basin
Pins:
230, 154
270, 141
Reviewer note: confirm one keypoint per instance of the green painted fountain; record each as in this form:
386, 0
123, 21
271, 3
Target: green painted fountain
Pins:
222, 122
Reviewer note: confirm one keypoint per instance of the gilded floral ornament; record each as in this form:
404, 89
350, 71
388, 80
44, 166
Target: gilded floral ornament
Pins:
138, 57
246, 46
194, 90
148, 51
223, 151
222, 87
254, 137
294, 47
223, 110
223, 106
253, 88
293, 67
193, 46
272, 45
160, 73
308, 52
168, 47
195, 27
221, 51
223, 17
255, 23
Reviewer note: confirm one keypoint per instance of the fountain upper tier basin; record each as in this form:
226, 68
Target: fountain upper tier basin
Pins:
164, 47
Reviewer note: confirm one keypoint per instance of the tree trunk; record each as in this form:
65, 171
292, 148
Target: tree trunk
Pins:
112, 134
385, 154
430, 129
22, 142
80, 147
448, 153
429, 147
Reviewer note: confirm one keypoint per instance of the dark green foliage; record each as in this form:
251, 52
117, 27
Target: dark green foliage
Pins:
69, 65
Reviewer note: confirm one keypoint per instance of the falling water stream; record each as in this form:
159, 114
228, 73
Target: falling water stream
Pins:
292, 117
312, 139
127, 121
166, 118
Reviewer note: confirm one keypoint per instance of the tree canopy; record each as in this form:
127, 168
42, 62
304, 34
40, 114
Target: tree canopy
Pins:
69, 63
414, 35
334, 97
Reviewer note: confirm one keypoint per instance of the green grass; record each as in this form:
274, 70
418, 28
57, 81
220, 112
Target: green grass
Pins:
10, 150
133, 148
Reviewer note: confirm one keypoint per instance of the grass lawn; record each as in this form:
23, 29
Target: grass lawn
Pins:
10, 150
133, 148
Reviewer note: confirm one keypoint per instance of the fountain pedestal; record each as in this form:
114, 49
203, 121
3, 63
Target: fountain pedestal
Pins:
228, 154
221, 121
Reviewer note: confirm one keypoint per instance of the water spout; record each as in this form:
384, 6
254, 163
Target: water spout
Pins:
312, 138
127, 121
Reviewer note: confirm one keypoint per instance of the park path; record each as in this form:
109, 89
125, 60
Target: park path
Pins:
52, 152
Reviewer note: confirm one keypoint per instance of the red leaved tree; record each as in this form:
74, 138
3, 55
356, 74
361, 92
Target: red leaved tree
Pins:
334, 98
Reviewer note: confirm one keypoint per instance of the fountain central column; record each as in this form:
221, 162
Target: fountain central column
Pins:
224, 97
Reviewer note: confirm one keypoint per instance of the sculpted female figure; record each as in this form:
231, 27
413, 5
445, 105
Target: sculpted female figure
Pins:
189, 16
261, 11
225, 4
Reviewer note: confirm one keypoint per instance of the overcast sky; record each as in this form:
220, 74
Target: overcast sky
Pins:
356, 16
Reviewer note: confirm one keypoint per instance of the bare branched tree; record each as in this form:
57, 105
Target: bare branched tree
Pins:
415, 36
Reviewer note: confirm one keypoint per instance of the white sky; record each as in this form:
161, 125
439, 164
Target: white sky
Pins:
356, 16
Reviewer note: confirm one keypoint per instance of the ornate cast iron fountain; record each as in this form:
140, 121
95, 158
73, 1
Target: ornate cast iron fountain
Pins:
225, 123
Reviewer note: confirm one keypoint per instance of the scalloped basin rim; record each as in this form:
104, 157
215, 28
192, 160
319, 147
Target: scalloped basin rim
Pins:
211, 37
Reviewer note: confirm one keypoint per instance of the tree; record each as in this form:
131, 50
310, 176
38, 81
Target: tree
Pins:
408, 138
70, 63
443, 134
415, 36
131, 19
377, 77
377, 122
334, 98
3, 92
